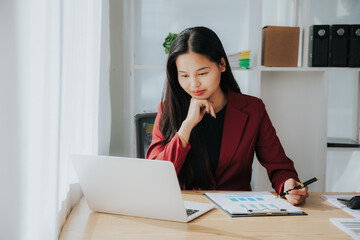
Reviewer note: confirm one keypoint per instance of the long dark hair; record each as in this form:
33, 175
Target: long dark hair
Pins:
175, 101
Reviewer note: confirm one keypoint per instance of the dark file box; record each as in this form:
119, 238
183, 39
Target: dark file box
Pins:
339, 43
354, 46
319, 45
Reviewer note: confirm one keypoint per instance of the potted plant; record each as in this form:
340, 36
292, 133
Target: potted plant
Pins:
168, 41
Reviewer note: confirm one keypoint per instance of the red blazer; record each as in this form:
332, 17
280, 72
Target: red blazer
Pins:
247, 129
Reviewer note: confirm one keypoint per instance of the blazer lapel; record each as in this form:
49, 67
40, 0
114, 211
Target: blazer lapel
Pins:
234, 124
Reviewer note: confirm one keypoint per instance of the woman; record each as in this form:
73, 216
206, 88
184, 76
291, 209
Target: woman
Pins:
209, 129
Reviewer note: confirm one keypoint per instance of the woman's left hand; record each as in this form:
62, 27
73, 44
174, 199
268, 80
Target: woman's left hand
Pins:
296, 196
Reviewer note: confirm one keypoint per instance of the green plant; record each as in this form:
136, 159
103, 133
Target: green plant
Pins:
168, 41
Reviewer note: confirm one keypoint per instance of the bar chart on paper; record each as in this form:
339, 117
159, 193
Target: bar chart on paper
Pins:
252, 203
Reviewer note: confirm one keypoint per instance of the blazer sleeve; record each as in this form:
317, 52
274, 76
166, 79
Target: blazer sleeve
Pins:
271, 154
172, 151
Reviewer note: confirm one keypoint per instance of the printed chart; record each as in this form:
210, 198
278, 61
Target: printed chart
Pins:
349, 225
252, 203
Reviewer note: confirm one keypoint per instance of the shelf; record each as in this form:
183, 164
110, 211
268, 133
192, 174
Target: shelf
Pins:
342, 143
268, 69
286, 69
343, 149
304, 69
235, 68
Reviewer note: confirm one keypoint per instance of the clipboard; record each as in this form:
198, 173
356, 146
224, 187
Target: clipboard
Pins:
252, 204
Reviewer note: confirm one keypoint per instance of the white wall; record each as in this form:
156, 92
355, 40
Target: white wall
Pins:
9, 164
120, 129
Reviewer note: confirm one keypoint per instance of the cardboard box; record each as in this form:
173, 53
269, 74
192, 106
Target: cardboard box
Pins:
280, 46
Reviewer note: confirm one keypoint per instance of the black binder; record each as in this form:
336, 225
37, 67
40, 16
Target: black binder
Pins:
354, 46
319, 45
339, 41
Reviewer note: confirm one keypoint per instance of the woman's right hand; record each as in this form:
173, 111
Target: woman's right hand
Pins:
196, 112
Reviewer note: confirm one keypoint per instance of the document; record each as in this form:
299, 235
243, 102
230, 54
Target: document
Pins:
350, 226
242, 204
333, 200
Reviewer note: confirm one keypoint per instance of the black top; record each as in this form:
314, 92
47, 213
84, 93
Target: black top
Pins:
212, 132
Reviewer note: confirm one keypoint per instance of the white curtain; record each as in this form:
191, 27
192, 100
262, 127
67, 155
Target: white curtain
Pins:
54, 101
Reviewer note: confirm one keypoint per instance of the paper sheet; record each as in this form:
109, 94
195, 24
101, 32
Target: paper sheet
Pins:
349, 225
243, 203
333, 200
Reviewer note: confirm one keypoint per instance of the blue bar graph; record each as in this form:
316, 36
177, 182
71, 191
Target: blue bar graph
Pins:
252, 203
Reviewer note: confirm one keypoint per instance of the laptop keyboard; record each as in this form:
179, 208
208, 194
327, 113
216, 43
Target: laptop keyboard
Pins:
191, 211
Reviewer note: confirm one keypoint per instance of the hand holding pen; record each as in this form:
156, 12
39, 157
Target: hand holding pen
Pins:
301, 185
296, 192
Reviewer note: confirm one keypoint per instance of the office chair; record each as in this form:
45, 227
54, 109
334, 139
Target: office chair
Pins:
144, 123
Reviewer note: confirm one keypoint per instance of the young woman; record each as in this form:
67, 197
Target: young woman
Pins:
209, 129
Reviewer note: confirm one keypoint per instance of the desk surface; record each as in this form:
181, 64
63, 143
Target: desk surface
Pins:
82, 223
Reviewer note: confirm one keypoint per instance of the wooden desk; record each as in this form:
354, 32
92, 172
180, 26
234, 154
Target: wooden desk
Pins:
82, 223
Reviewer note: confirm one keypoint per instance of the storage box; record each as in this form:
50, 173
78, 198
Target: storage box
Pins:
280, 46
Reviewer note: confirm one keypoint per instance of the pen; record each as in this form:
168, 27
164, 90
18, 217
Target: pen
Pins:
304, 184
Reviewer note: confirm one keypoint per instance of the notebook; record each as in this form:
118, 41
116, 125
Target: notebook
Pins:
135, 187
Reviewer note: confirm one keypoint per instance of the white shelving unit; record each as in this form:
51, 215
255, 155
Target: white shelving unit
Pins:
297, 98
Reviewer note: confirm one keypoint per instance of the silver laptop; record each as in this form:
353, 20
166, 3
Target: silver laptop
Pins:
135, 187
